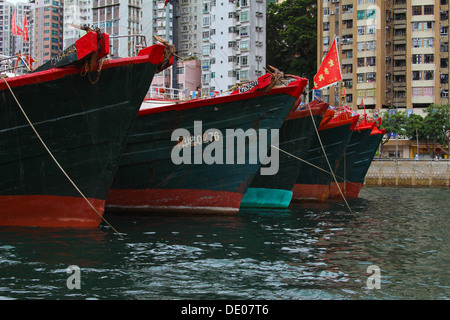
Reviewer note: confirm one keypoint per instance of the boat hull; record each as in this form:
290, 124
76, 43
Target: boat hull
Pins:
84, 125
148, 179
296, 134
354, 147
312, 183
361, 165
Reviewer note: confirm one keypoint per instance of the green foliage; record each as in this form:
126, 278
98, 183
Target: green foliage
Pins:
292, 37
394, 122
433, 129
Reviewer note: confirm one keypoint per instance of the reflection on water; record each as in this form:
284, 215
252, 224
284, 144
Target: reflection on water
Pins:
311, 251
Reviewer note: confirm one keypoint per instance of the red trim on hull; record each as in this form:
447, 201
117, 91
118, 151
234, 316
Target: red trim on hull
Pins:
316, 192
49, 211
57, 73
175, 200
294, 89
350, 190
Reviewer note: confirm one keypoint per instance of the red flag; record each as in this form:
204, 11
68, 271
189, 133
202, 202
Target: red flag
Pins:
13, 24
362, 105
25, 28
165, 3
15, 28
329, 70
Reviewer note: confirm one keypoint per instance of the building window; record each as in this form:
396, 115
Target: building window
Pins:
243, 45
370, 76
360, 93
428, 42
361, 15
428, 25
416, 58
360, 62
417, 26
371, 29
416, 10
428, 91
428, 9
428, 58
326, 26
371, 61
361, 30
360, 77
428, 75
417, 42
371, 45
361, 46
243, 75
417, 75
371, 14
244, 16
417, 92
244, 60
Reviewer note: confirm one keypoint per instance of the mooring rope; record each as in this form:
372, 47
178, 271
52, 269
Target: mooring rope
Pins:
326, 157
352, 183
56, 161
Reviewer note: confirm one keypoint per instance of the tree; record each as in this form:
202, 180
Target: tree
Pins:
435, 128
393, 121
414, 127
292, 37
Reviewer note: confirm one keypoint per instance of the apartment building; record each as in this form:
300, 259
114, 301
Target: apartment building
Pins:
125, 22
6, 37
393, 53
48, 29
77, 13
10, 44
233, 43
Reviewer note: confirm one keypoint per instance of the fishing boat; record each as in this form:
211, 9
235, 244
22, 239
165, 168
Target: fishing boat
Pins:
361, 165
296, 134
313, 181
149, 180
63, 128
352, 151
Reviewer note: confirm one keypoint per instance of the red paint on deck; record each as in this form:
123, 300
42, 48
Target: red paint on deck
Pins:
49, 211
175, 200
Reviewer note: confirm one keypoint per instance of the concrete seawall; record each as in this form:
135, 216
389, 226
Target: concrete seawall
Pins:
409, 173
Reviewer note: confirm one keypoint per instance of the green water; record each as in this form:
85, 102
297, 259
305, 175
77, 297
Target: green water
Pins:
311, 251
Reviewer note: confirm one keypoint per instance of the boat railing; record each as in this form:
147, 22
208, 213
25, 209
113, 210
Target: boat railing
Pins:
7, 65
136, 41
160, 92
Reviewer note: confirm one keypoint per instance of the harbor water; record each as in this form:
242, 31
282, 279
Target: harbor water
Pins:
312, 251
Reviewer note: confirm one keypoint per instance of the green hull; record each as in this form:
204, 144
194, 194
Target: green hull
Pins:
266, 198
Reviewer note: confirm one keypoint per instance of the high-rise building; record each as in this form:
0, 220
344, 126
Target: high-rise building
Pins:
48, 29
77, 13
6, 37
393, 53
125, 22
233, 43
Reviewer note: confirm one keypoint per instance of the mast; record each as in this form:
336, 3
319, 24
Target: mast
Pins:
175, 42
